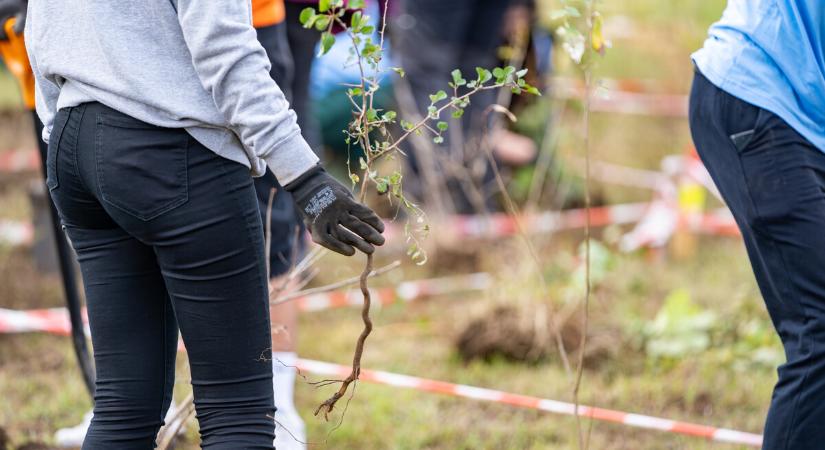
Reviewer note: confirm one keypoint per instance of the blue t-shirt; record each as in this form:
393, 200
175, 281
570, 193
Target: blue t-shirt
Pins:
771, 53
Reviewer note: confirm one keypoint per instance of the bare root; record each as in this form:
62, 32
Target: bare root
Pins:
327, 406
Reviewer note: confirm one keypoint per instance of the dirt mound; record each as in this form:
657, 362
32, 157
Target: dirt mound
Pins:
525, 335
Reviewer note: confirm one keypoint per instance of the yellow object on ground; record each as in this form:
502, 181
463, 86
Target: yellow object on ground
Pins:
14, 54
266, 13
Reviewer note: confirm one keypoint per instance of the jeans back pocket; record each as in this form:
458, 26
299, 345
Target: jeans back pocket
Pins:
141, 168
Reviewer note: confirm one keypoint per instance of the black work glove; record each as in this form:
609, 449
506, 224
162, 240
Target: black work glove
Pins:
332, 215
9, 9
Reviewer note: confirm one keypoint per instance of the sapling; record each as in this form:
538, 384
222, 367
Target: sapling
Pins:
372, 130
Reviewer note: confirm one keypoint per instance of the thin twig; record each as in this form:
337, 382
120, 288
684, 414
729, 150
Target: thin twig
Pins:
583, 443
185, 410
334, 286
515, 214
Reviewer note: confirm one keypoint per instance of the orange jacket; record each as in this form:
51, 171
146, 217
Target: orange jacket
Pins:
266, 13
14, 54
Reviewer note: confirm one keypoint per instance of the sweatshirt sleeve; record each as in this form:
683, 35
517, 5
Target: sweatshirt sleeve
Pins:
46, 92
233, 67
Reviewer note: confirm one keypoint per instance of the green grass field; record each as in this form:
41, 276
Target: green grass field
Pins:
722, 383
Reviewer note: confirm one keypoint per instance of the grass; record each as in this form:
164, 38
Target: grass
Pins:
41, 389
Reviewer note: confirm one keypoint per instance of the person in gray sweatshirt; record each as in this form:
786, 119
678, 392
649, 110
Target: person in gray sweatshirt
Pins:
157, 115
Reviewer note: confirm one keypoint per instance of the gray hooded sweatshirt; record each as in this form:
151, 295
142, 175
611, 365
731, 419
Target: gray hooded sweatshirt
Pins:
193, 64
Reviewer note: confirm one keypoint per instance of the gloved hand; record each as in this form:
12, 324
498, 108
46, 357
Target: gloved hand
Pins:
332, 215
9, 9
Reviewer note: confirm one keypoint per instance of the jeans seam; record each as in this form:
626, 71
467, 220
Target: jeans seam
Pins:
76, 138
250, 229
164, 351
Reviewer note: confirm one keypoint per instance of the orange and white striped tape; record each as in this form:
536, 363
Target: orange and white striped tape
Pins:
542, 404
56, 320
477, 227
15, 233
624, 97
502, 225
406, 291
17, 161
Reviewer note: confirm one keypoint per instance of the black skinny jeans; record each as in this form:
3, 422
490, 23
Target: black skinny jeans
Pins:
167, 234
773, 180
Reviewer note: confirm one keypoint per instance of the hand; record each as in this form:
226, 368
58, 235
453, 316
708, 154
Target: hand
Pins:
333, 217
9, 9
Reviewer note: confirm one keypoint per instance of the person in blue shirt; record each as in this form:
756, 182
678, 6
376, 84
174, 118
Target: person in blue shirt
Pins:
757, 116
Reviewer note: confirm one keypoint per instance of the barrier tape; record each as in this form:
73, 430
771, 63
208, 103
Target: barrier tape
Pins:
56, 320
406, 292
16, 233
617, 98
19, 161
503, 225
474, 227
541, 404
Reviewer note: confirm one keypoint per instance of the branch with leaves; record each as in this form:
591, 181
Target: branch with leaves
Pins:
372, 129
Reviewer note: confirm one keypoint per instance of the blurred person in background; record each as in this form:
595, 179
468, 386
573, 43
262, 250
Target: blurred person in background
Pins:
757, 116
431, 39
287, 244
153, 130
302, 46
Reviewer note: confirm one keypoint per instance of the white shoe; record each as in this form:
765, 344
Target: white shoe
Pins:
73, 436
290, 431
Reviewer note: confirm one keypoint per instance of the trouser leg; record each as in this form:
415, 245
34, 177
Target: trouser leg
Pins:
131, 321
197, 213
773, 180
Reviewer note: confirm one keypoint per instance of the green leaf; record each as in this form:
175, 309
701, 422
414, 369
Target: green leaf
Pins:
363, 163
306, 14
438, 96
407, 126
370, 50
322, 23
395, 178
354, 92
354, 178
432, 112
566, 12
438, 140
458, 113
389, 115
399, 71
442, 126
484, 75
355, 21
521, 73
532, 90
327, 41
323, 5
355, 4
372, 114
382, 187
457, 79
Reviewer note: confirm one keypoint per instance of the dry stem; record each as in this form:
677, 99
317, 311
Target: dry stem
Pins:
329, 404
335, 286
